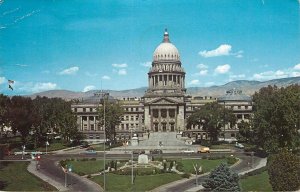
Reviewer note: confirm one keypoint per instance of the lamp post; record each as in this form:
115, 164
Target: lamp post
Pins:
131, 159
103, 97
224, 120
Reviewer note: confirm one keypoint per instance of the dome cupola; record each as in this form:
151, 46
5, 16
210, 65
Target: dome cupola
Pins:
166, 50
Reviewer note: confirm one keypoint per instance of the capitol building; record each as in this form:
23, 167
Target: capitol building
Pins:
165, 105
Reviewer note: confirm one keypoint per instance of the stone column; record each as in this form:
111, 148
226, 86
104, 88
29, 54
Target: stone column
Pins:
159, 120
180, 118
147, 118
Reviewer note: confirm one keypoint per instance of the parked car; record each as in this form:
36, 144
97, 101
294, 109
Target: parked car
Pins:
239, 145
156, 151
85, 145
188, 151
203, 150
138, 151
90, 150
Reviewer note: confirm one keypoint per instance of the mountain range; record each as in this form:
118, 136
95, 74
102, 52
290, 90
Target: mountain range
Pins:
247, 87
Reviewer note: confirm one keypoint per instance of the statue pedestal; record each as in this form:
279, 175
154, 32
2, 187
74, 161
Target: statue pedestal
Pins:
134, 140
143, 159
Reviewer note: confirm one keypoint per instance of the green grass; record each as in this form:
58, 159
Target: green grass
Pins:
99, 147
86, 167
53, 147
258, 182
207, 165
142, 183
17, 178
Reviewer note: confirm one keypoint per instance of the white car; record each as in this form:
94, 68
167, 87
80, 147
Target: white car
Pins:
188, 151
239, 145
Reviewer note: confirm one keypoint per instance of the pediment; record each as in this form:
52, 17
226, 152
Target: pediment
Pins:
164, 101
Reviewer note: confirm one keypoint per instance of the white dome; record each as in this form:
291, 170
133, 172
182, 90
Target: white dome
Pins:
166, 50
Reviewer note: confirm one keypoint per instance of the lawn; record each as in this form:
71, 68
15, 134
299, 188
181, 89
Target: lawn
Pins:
258, 182
141, 183
15, 177
206, 164
86, 167
53, 147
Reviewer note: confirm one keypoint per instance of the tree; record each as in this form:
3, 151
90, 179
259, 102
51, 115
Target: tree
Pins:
222, 179
113, 114
284, 171
276, 118
21, 116
245, 131
212, 117
4, 101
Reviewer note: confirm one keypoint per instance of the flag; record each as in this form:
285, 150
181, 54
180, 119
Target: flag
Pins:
11, 82
10, 87
47, 143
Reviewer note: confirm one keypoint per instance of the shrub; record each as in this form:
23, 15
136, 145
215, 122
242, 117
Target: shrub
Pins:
231, 160
186, 175
204, 157
284, 171
80, 173
93, 159
84, 159
179, 166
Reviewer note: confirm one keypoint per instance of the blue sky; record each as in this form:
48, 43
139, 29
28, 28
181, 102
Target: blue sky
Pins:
80, 45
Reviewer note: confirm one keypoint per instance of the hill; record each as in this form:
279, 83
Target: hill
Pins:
248, 87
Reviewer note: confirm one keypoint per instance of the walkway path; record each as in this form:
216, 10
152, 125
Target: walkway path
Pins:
189, 184
51, 171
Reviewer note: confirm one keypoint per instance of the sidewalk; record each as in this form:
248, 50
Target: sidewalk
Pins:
262, 163
32, 169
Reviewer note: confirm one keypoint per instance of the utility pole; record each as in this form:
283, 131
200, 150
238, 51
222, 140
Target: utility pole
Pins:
131, 159
224, 119
104, 96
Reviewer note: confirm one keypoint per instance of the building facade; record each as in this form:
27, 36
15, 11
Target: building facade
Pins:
165, 105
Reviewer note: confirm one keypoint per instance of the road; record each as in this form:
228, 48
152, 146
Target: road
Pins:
49, 167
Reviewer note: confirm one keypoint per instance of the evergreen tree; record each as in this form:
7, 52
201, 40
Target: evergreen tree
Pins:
222, 179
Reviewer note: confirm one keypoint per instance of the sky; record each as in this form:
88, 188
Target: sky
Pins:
81, 45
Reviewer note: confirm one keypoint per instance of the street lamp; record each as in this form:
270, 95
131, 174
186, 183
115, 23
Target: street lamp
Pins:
131, 159
224, 120
103, 95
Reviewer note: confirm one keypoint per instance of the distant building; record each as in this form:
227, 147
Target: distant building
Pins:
165, 105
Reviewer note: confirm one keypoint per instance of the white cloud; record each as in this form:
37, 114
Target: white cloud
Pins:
223, 49
105, 77
194, 82
147, 64
89, 88
221, 69
268, 75
69, 71
2, 80
295, 74
21, 65
202, 66
122, 72
297, 67
122, 65
203, 72
27, 15
38, 87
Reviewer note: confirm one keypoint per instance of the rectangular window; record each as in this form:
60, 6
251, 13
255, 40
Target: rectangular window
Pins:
92, 127
84, 118
91, 109
84, 110
239, 107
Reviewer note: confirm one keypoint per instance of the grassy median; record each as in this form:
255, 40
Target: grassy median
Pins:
15, 177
